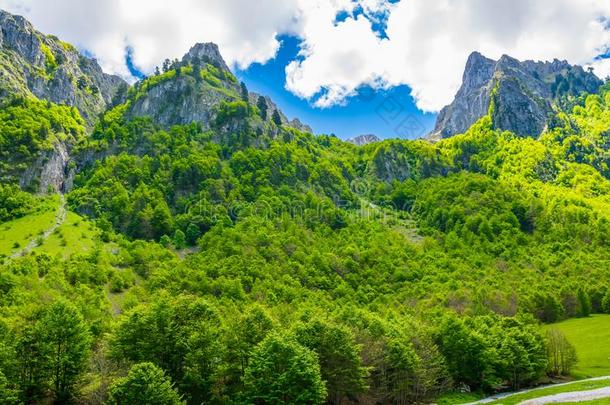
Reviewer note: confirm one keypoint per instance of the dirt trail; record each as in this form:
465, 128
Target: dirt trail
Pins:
59, 219
574, 396
555, 398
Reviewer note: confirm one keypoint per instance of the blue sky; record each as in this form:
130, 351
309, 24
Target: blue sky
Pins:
387, 114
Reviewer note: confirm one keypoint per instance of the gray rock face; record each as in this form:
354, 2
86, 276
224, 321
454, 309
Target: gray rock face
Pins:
44, 66
206, 52
523, 94
182, 100
179, 101
272, 107
48, 171
362, 140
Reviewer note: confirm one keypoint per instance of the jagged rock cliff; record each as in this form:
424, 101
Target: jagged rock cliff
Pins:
521, 94
178, 99
38, 66
32, 63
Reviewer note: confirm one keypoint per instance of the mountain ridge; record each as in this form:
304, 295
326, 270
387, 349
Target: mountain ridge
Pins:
523, 94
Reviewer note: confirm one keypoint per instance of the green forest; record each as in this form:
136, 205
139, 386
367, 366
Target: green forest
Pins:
253, 263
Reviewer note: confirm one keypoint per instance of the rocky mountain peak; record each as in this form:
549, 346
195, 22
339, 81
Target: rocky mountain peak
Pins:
195, 95
206, 52
523, 93
479, 70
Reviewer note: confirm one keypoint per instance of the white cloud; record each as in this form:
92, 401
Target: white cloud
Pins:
429, 42
426, 47
246, 31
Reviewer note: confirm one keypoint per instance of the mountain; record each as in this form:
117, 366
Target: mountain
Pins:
190, 237
195, 89
34, 67
521, 96
180, 96
32, 63
41, 79
361, 140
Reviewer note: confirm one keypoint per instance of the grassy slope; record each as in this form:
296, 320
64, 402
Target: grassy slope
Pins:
22, 230
75, 235
591, 337
452, 398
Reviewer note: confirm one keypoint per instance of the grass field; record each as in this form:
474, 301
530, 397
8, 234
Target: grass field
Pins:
458, 398
15, 235
75, 235
591, 338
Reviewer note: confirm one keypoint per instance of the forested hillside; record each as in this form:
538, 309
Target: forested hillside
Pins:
242, 260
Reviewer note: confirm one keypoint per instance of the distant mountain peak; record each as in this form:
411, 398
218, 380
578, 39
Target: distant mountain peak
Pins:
523, 94
362, 140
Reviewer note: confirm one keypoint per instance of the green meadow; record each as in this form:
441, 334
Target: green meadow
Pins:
591, 338
16, 234
75, 235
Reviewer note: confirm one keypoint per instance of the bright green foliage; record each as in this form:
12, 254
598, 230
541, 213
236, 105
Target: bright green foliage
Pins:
66, 341
606, 302
522, 353
145, 384
467, 352
14, 203
242, 335
283, 372
192, 234
231, 110
8, 395
49, 350
339, 356
29, 127
180, 336
179, 239
50, 61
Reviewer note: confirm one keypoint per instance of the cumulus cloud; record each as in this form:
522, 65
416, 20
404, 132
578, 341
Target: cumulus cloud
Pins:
428, 43
421, 43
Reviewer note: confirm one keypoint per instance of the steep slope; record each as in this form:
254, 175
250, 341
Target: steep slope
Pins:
522, 94
50, 94
32, 63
